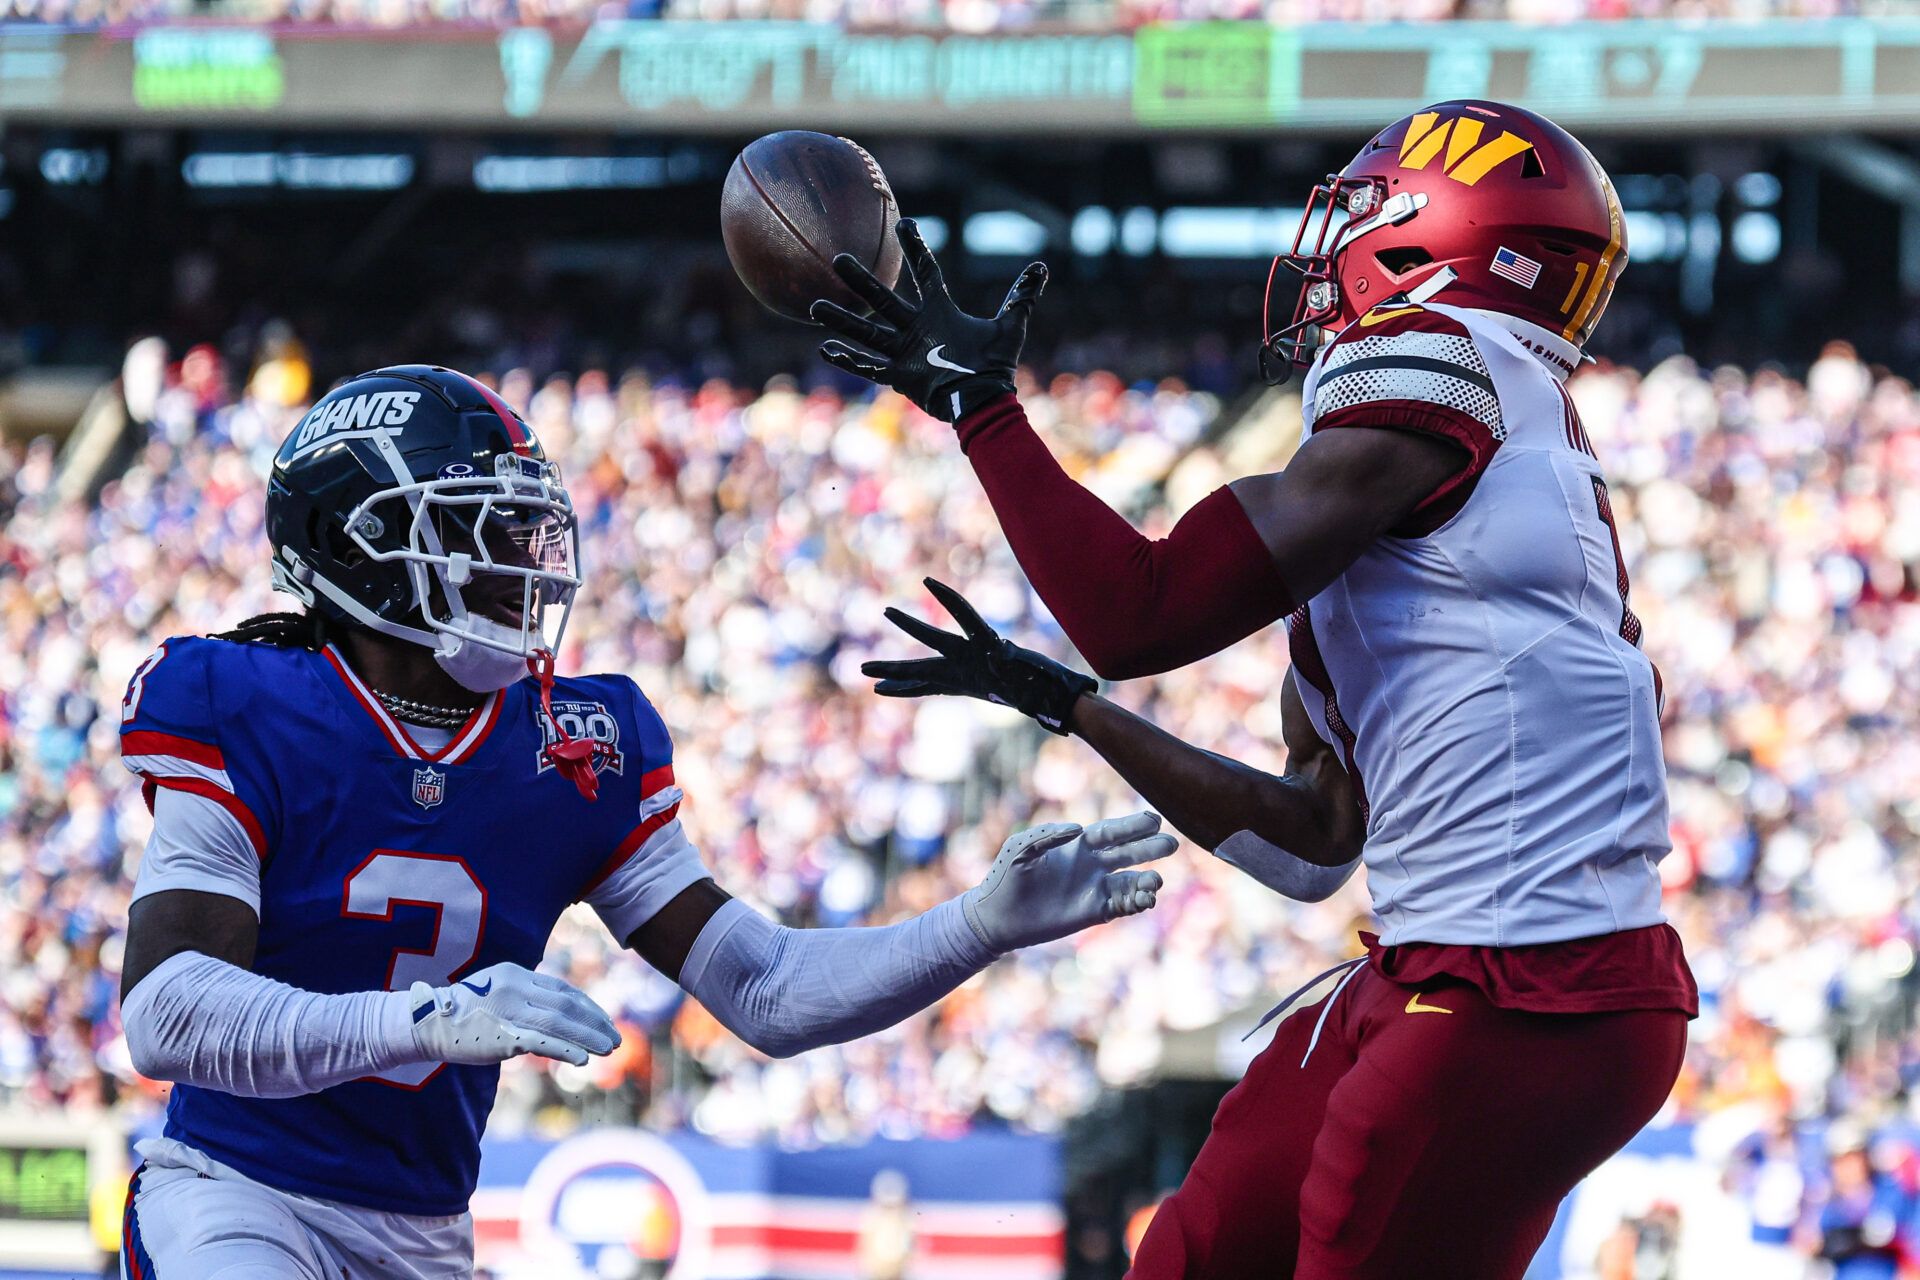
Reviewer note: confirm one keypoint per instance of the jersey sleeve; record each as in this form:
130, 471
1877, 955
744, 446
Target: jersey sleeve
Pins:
655, 862
170, 736
1413, 369
197, 844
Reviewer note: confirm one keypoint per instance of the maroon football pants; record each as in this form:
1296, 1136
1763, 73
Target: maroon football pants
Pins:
1428, 1134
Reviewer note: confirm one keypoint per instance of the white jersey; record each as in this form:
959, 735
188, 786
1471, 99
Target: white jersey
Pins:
1478, 669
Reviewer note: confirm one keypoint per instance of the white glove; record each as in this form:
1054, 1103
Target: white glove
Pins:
1058, 879
505, 1011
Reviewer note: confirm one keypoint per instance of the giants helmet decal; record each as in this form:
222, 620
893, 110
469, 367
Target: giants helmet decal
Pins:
1478, 204
412, 501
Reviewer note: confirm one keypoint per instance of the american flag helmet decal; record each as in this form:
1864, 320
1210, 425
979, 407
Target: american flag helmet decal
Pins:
1517, 267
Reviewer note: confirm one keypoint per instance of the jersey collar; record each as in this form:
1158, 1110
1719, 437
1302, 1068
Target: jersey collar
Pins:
1559, 356
460, 748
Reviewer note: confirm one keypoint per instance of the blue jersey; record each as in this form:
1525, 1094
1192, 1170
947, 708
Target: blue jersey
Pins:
382, 864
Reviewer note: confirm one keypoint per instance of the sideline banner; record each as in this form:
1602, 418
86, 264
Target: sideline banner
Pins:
626, 1203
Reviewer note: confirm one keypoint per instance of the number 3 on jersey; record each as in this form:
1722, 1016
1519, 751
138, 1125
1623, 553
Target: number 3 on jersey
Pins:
442, 884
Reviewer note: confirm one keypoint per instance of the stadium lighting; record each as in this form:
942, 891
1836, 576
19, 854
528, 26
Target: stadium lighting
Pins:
1003, 232
296, 170
569, 173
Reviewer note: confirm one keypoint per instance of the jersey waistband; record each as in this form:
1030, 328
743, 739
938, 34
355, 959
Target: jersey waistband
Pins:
1643, 968
172, 1153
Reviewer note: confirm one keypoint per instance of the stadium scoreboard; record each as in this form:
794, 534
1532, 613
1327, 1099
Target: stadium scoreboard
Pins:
56, 1174
672, 77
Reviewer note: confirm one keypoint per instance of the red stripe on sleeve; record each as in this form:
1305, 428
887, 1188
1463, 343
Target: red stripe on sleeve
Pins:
628, 847
146, 742
1427, 418
225, 799
654, 780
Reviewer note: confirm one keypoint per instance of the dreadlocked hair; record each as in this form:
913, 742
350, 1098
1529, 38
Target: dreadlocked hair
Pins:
281, 630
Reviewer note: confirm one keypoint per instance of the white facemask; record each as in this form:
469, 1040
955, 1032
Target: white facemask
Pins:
481, 668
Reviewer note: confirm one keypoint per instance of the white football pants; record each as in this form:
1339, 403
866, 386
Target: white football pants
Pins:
191, 1218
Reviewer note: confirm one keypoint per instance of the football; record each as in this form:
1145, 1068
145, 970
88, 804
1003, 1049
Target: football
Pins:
795, 200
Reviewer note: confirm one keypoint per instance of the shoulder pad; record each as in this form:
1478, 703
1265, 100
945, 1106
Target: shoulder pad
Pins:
1405, 357
171, 692
170, 733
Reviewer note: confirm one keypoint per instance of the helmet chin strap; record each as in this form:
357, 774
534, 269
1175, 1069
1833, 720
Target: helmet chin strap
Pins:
1433, 284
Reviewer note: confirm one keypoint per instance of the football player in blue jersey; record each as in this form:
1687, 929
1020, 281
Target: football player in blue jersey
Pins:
369, 815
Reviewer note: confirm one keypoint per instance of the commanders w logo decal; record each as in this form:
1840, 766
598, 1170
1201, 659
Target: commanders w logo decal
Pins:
1468, 159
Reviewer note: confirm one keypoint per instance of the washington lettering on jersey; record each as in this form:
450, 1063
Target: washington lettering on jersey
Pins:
382, 863
389, 409
1478, 670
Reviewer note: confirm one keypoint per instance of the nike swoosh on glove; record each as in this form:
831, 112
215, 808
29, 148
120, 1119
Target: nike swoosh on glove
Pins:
1050, 881
933, 353
504, 1011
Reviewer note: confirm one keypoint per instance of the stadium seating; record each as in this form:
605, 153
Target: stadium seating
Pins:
741, 546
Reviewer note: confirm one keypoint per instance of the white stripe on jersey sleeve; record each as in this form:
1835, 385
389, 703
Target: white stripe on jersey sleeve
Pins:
176, 767
197, 844
663, 799
657, 872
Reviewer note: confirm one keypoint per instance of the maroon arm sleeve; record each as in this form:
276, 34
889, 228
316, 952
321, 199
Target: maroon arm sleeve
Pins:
1133, 606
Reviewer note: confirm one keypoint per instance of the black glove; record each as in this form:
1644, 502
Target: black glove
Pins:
981, 664
933, 353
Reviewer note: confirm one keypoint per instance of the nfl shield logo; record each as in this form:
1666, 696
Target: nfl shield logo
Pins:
429, 786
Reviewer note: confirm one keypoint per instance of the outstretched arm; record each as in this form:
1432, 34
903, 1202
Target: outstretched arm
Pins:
1291, 828
785, 991
1242, 558
1299, 833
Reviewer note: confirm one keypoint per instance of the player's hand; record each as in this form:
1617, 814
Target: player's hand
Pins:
1058, 879
979, 664
933, 353
504, 1011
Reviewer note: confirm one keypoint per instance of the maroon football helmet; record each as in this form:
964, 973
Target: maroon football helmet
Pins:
1479, 204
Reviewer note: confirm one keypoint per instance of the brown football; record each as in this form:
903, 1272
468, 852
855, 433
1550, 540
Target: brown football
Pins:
795, 200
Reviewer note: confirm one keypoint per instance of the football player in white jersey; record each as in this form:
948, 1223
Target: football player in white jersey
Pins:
1469, 711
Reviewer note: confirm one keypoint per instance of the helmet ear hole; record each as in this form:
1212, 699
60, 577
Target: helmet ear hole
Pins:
1399, 261
331, 535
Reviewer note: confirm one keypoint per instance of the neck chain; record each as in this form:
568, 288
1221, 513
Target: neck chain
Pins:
423, 713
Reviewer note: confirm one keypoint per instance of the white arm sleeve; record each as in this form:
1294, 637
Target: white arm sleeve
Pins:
1284, 873
201, 1021
653, 876
785, 991
196, 844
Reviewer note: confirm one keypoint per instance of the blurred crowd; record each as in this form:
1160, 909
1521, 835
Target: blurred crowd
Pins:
954, 15
741, 544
